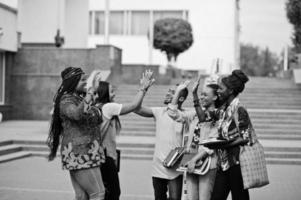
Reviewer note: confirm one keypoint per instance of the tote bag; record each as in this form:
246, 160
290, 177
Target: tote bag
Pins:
252, 161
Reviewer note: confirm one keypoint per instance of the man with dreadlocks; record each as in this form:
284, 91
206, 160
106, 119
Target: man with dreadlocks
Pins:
76, 124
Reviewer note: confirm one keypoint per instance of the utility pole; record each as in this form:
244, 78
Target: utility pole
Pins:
107, 21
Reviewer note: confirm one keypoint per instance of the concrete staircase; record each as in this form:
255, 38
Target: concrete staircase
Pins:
274, 106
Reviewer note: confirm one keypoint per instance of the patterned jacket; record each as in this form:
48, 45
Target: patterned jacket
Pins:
80, 144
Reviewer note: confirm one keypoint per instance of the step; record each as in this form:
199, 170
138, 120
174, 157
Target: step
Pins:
7, 142
283, 155
283, 149
136, 157
273, 131
279, 138
14, 156
276, 161
8, 149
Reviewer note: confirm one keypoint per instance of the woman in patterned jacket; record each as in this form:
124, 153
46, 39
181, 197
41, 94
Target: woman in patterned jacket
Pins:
76, 124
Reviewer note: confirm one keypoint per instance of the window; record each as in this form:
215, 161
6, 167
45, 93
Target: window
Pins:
116, 22
140, 22
130, 22
167, 14
90, 22
2, 77
99, 23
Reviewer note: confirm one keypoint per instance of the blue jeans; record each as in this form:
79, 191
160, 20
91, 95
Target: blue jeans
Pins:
87, 184
199, 187
174, 188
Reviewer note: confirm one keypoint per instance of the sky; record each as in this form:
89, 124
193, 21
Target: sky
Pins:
263, 23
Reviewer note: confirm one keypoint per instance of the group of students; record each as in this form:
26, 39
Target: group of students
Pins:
85, 124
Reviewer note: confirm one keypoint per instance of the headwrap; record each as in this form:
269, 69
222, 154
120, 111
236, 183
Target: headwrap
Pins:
70, 74
236, 81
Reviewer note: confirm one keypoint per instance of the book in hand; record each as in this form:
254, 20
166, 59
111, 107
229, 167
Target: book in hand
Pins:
200, 169
173, 157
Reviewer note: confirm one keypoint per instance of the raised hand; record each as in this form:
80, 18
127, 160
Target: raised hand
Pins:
147, 80
196, 84
93, 80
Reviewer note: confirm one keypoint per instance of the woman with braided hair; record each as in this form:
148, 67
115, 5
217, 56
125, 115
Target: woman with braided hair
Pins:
75, 124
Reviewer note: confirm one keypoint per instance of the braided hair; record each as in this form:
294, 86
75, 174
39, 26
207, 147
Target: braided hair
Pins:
70, 79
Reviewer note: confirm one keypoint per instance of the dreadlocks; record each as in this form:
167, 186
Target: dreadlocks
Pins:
70, 78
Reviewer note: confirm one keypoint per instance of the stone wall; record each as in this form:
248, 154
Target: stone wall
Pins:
35, 75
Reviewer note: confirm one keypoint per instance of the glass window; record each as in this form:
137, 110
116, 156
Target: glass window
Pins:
167, 14
116, 22
140, 22
99, 23
90, 22
2, 77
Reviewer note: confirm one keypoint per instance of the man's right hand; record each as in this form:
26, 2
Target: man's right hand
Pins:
196, 85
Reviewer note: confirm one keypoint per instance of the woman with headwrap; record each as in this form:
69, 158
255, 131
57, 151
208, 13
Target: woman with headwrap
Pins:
111, 127
75, 124
235, 126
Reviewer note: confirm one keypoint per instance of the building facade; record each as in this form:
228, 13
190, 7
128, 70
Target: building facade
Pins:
39, 21
215, 27
8, 47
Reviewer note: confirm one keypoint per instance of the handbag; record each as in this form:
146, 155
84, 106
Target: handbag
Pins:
252, 161
174, 157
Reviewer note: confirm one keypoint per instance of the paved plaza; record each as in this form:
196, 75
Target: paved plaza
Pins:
35, 178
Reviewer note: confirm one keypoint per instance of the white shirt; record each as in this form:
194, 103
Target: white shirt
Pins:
109, 128
168, 136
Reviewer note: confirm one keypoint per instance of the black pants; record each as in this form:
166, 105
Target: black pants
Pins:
110, 178
174, 188
230, 180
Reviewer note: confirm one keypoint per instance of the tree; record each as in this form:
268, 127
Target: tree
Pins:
172, 36
257, 62
293, 13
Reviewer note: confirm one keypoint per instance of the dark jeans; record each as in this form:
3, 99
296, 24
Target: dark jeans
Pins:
230, 180
110, 179
173, 186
